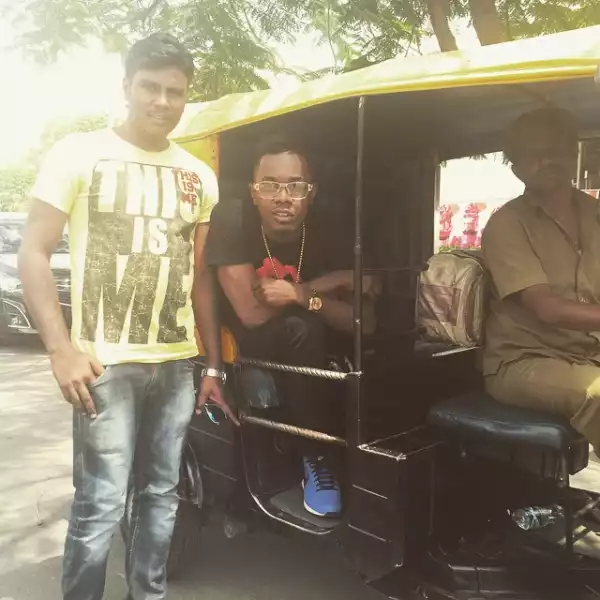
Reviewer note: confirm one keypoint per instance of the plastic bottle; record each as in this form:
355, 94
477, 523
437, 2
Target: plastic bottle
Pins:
536, 517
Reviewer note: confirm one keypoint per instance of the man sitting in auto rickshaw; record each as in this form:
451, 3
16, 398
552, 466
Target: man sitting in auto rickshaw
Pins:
285, 278
543, 252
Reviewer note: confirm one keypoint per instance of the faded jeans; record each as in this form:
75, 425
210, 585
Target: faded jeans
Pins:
143, 414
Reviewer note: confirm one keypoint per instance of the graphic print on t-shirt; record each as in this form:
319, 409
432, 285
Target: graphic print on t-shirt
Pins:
287, 272
138, 267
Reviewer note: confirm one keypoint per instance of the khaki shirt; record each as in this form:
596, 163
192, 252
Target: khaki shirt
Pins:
524, 246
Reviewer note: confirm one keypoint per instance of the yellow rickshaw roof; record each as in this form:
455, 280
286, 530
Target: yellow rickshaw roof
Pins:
568, 55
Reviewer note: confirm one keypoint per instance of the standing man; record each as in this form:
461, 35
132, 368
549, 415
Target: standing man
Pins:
542, 346
138, 208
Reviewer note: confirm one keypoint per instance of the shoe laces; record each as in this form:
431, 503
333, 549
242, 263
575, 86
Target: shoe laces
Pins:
324, 478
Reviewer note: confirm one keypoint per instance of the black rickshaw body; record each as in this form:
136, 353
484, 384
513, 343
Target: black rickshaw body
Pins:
432, 465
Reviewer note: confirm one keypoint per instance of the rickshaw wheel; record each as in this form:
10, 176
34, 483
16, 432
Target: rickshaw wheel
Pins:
189, 517
187, 530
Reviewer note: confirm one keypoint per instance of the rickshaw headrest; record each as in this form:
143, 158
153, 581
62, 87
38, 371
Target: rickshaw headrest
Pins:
478, 416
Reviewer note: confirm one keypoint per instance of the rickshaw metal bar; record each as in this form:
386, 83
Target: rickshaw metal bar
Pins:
250, 476
583, 511
218, 473
367, 533
412, 269
567, 505
310, 371
394, 455
579, 535
292, 429
579, 163
451, 351
358, 248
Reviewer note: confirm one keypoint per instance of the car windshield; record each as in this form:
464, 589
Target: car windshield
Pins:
11, 234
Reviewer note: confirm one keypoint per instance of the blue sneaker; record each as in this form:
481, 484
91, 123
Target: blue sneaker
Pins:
322, 496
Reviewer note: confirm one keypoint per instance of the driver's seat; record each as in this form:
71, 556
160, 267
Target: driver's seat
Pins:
544, 442
478, 417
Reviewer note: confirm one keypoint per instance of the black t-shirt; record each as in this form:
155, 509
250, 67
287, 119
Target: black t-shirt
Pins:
235, 238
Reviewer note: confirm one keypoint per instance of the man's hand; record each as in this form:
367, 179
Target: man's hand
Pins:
74, 371
211, 392
278, 293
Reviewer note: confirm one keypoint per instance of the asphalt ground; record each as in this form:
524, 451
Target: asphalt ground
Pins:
35, 497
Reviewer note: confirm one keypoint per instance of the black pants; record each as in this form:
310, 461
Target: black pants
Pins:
299, 338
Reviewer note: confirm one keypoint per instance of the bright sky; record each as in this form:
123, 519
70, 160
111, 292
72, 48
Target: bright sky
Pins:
88, 81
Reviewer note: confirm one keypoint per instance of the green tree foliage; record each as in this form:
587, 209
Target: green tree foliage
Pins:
17, 179
374, 30
59, 128
15, 183
233, 40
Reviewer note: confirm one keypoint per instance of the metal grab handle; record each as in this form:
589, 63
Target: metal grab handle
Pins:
292, 429
311, 371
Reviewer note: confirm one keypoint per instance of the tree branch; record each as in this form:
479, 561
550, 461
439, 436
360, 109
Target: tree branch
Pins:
331, 47
487, 22
149, 12
439, 14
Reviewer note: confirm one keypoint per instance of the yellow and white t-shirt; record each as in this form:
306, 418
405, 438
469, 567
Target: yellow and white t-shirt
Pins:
132, 217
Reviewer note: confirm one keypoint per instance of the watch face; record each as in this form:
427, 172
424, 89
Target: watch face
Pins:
316, 303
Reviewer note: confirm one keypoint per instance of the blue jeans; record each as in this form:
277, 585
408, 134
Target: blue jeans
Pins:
143, 414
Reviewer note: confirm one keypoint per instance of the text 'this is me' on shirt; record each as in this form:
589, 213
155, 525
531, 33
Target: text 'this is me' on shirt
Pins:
132, 217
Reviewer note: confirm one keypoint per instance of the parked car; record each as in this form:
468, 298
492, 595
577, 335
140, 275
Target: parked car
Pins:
14, 318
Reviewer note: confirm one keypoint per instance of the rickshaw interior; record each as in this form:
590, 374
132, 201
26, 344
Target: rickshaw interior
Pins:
432, 465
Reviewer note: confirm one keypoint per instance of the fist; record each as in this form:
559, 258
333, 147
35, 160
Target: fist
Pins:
276, 293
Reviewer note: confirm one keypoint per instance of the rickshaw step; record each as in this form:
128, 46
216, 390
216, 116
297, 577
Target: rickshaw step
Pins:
291, 503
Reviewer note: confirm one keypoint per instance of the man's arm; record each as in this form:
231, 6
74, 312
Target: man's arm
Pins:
238, 283
204, 301
339, 315
42, 233
560, 312
206, 314
336, 311
227, 254
72, 369
518, 276
343, 281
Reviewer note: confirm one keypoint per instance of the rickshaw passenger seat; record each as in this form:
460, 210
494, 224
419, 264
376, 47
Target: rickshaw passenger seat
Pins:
478, 417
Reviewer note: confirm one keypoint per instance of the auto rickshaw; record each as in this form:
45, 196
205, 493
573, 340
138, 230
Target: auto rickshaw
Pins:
433, 466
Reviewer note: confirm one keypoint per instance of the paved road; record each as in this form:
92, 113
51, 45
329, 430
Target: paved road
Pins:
35, 492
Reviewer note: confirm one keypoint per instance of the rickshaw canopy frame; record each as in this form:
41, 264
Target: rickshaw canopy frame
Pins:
569, 55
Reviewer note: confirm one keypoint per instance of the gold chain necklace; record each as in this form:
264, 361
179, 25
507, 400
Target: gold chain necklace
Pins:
300, 261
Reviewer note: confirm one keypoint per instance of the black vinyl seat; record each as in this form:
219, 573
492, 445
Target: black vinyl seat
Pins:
478, 416
479, 419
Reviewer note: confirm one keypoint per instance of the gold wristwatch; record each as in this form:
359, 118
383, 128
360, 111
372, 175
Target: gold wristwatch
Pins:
314, 302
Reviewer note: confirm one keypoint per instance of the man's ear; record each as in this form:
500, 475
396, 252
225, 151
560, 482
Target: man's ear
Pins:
313, 193
252, 194
126, 88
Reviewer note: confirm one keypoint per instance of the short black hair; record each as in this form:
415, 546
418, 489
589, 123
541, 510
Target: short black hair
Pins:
278, 144
558, 120
159, 51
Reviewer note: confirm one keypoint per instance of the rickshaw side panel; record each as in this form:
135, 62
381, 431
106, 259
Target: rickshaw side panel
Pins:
389, 504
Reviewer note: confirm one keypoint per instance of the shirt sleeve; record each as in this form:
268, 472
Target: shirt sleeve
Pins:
225, 243
509, 256
210, 195
58, 179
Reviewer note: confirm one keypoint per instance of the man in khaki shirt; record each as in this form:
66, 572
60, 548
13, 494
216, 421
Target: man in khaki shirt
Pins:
543, 252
